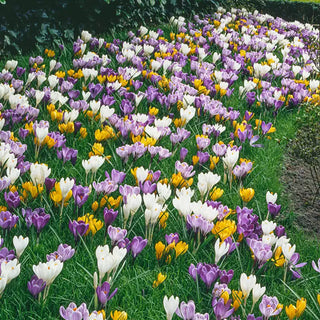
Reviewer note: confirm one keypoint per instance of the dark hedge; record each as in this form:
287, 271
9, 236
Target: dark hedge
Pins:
26, 23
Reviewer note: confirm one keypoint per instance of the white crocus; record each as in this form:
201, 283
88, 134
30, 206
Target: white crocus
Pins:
230, 158
142, 174
3, 283
149, 199
220, 250
85, 36
268, 226
288, 251
39, 172
11, 65
96, 162
133, 204
65, 186
13, 174
164, 192
187, 114
170, 306
20, 243
48, 271
257, 293
271, 197
10, 269
105, 113
41, 133
246, 284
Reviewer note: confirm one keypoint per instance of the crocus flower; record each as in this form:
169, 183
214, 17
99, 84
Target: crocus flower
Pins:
137, 245
8, 220
20, 244
269, 306
221, 309
36, 285
78, 228
64, 253
73, 312
12, 199
80, 195
104, 294
40, 219
186, 310
170, 306
116, 234
109, 216
315, 266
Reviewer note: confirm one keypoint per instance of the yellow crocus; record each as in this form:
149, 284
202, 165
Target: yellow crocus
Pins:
301, 306
94, 224
224, 228
179, 182
118, 315
279, 258
216, 193
237, 297
291, 311
163, 217
246, 194
159, 247
181, 248
160, 278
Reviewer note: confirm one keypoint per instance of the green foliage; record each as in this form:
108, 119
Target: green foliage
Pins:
26, 23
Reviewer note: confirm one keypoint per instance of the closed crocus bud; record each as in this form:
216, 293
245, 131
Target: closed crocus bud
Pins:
3, 283
170, 306
109, 216
137, 245
220, 250
288, 250
20, 244
246, 284
103, 293
66, 185
271, 198
257, 293
36, 285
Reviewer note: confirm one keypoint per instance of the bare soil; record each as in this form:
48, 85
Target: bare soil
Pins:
300, 188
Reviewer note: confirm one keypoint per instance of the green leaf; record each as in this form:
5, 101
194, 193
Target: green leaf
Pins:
3, 1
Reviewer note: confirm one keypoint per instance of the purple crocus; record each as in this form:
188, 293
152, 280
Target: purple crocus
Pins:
8, 220
78, 228
137, 245
274, 209
49, 183
220, 309
80, 195
74, 313
12, 199
186, 310
103, 293
36, 285
109, 216
295, 267
315, 266
269, 307
116, 234
208, 273
262, 251
64, 253
68, 154
172, 237
40, 219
